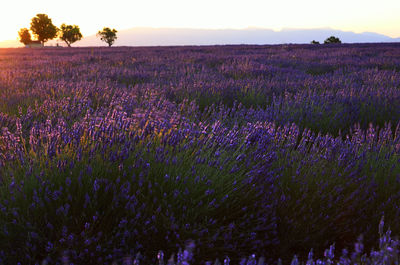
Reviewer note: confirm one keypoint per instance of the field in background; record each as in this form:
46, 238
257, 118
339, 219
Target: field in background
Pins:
272, 150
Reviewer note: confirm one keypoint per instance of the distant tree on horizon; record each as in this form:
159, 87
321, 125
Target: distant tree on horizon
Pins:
25, 36
43, 28
108, 35
315, 42
70, 34
332, 39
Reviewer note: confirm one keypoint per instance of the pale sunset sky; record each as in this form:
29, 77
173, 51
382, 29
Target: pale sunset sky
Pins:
381, 16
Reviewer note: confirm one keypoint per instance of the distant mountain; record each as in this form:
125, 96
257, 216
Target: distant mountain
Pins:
169, 36
177, 36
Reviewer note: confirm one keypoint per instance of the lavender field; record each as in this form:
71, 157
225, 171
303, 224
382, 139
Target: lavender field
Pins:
239, 150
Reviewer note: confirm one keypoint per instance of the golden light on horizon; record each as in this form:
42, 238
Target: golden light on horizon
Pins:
358, 16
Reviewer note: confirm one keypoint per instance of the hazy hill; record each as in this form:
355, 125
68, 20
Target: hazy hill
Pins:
173, 36
167, 36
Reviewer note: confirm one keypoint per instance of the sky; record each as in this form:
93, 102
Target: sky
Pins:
381, 16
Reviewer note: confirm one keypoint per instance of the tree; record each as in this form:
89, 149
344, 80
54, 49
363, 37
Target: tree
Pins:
25, 36
70, 34
43, 28
314, 42
332, 39
108, 35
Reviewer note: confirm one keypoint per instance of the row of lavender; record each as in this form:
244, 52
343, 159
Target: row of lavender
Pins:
271, 150
327, 89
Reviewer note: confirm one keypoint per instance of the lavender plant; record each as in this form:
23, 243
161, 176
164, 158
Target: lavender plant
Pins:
242, 150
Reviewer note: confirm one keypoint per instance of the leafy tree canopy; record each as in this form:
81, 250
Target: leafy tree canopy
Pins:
25, 36
70, 34
332, 39
43, 28
314, 42
108, 35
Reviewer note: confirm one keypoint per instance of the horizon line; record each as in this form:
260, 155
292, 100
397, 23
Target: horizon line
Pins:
244, 28
13, 42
